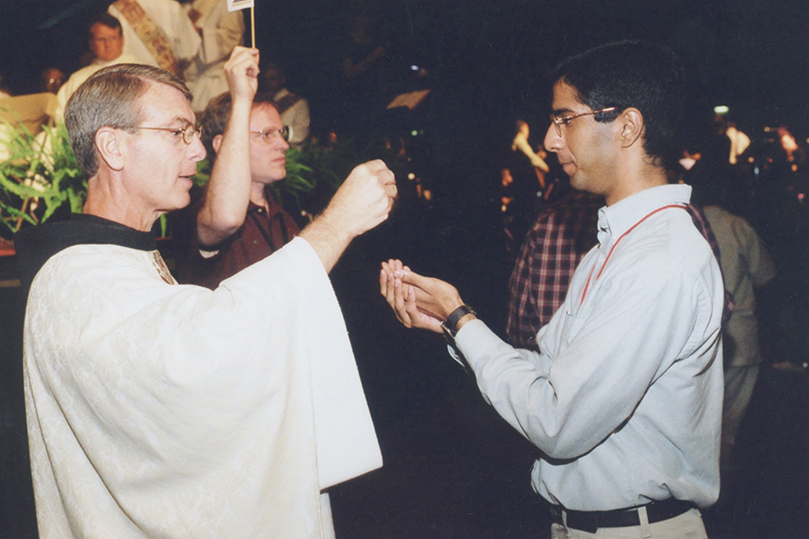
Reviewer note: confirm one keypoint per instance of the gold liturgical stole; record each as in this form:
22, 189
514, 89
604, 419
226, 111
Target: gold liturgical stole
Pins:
150, 34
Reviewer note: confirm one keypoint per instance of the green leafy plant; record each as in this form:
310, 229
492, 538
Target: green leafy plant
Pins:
38, 177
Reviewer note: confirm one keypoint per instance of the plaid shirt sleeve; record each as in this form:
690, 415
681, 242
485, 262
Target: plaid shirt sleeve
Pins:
544, 268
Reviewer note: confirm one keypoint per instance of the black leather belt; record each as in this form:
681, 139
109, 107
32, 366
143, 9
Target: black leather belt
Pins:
590, 521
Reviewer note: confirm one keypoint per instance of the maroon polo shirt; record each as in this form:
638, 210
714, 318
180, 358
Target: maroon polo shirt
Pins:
262, 234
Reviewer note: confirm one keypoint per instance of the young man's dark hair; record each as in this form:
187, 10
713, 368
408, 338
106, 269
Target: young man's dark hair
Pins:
638, 74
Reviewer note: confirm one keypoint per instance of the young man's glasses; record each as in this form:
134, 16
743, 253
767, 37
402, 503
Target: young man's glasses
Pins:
267, 135
559, 121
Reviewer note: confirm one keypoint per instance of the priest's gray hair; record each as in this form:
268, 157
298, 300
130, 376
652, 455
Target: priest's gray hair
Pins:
109, 99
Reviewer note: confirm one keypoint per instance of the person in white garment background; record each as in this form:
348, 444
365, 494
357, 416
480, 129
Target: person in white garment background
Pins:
748, 268
221, 30
157, 33
105, 40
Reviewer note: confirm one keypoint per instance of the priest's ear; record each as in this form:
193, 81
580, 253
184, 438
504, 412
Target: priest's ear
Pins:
110, 147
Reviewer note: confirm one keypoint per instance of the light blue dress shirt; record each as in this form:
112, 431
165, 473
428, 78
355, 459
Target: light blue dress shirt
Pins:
625, 399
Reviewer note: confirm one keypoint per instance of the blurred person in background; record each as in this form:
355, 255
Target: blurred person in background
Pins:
221, 30
51, 80
293, 108
106, 42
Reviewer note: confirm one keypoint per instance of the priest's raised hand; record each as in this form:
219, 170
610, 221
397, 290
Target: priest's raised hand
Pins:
361, 203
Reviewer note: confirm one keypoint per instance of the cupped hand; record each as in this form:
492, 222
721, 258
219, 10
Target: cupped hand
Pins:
402, 298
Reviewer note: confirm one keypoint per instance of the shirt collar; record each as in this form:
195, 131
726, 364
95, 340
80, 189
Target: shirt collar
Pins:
614, 220
36, 244
269, 197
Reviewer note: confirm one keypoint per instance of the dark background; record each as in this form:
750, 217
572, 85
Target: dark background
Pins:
747, 54
453, 469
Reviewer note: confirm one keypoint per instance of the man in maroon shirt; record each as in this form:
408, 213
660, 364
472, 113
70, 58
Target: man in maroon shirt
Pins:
239, 222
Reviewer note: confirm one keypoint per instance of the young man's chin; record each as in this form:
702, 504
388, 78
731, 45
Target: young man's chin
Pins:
274, 179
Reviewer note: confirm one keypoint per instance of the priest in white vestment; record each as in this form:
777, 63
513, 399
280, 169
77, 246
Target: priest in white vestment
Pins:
163, 410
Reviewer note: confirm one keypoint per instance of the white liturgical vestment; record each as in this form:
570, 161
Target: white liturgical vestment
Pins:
164, 410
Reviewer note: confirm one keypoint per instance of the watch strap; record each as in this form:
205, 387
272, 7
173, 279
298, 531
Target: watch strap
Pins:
450, 325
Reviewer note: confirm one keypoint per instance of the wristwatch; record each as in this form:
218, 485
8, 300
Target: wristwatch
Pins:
450, 325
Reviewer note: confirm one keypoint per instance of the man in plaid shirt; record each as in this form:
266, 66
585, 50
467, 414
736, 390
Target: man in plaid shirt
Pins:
560, 237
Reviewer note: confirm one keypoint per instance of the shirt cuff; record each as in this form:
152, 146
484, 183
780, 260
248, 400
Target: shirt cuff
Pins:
474, 340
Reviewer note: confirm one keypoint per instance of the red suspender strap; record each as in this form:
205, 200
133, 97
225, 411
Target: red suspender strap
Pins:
614, 245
